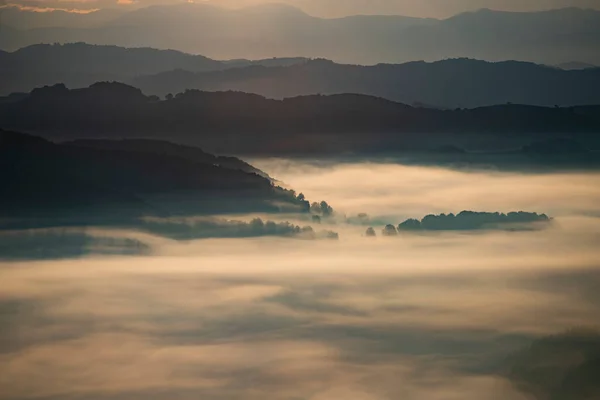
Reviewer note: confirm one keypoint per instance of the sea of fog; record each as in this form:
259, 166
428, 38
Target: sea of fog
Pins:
447, 315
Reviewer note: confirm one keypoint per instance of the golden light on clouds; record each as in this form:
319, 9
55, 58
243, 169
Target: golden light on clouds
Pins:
52, 9
418, 316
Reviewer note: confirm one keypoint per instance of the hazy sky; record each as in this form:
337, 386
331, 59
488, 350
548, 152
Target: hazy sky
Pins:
337, 8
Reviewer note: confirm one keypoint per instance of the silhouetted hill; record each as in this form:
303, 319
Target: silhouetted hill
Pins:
80, 64
41, 179
241, 123
556, 146
449, 83
548, 37
192, 154
444, 84
575, 65
267, 62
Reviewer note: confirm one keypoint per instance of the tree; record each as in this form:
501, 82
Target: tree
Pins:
315, 208
370, 232
389, 230
169, 96
326, 209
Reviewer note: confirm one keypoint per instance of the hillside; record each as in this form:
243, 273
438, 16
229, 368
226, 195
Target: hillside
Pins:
87, 183
241, 123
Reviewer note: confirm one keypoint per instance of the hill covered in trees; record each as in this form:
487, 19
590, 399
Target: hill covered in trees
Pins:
470, 220
346, 124
47, 183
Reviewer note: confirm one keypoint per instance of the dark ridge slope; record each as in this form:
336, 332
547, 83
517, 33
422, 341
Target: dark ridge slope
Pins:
41, 179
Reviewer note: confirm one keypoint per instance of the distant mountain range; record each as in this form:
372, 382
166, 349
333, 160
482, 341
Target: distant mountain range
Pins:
575, 65
80, 65
116, 182
347, 124
548, 37
443, 84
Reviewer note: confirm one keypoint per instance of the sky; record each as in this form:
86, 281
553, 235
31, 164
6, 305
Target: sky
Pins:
333, 8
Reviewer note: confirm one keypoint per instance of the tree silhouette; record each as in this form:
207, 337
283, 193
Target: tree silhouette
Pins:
389, 230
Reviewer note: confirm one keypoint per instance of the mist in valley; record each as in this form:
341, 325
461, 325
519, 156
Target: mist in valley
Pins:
139, 313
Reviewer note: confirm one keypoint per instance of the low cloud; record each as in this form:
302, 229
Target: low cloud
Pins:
561, 366
124, 331
386, 191
417, 317
59, 243
143, 238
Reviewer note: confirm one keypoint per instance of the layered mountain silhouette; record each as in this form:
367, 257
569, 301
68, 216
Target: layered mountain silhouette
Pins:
85, 182
548, 37
80, 65
444, 84
345, 124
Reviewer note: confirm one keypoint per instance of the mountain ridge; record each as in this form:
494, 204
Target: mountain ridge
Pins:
243, 123
549, 37
89, 181
449, 83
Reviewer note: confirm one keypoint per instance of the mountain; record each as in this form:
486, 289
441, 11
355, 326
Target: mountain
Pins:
444, 84
448, 84
80, 64
192, 154
100, 182
575, 65
241, 123
267, 62
548, 37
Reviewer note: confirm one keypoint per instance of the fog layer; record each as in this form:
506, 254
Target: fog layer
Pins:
416, 316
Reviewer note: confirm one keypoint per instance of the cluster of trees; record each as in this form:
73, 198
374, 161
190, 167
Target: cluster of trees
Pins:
57, 243
470, 220
182, 229
388, 230
321, 209
318, 210
465, 220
